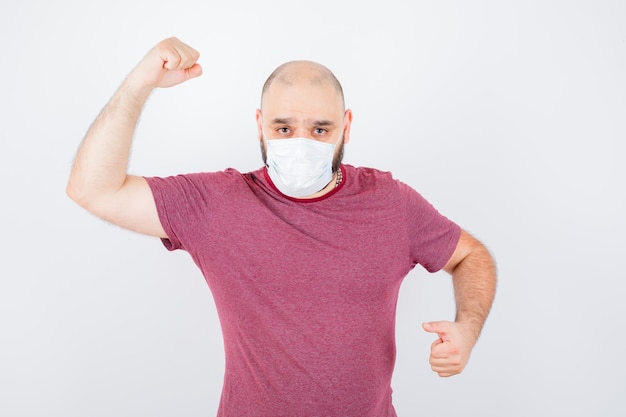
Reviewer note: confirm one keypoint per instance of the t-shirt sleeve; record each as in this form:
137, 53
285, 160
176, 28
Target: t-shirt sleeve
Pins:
184, 204
432, 236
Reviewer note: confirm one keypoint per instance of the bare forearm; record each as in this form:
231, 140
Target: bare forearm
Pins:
99, 181
474, 281
102, 159
474, 277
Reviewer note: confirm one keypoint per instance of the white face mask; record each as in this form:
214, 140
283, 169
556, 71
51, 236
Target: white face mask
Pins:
299, 167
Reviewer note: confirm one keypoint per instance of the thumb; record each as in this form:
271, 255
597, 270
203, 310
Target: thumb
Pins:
439, 327
194, 71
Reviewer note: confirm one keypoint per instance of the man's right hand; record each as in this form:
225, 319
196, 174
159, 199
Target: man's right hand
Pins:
99, 180
168, 63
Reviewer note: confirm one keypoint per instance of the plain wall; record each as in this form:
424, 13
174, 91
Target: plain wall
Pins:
508, 116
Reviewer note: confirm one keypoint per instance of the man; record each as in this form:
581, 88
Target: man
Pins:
304, 257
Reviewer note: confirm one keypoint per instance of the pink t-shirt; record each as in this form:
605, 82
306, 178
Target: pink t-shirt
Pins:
306, 290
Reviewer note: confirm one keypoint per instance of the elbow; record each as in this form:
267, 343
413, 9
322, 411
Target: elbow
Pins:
90, 197
75, 192
72, 191
78, 193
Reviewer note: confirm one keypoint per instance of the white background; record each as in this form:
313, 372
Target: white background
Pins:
508, 116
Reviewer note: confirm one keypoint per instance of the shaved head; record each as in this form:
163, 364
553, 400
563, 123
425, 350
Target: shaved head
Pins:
304, 99
303, 72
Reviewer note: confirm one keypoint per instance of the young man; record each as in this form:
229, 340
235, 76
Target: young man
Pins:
304, 256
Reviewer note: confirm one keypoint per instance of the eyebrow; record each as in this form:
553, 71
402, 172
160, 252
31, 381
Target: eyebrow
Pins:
282, 121
290, 121
322, 123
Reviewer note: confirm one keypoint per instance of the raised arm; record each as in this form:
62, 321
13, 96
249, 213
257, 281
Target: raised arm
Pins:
99, 181
474, 277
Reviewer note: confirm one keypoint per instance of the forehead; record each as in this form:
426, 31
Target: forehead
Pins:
302, 99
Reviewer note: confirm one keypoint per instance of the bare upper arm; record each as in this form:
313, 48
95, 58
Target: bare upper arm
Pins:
131, 207
465, 246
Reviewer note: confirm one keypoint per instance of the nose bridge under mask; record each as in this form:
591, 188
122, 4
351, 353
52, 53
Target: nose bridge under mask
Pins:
300, 152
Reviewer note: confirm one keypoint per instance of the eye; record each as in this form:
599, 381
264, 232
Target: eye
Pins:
320, 131
283, 130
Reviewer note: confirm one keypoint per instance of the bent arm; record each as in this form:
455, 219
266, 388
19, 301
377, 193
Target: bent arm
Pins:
99, 181
474, 278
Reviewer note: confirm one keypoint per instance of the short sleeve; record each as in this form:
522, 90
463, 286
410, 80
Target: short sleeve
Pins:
184, 204
162, 190
432, 236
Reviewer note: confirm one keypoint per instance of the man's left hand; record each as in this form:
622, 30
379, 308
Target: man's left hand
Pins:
451, 351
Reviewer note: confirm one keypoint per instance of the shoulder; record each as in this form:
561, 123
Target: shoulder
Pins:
197, 185
370, 179
383, 185
198, 178
367, 176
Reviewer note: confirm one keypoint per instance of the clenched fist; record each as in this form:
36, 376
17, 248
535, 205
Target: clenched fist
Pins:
169, 63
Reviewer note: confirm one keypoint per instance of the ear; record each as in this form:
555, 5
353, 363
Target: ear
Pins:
347, 122
259, 124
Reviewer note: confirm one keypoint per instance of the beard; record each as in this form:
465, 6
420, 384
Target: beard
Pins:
337, 156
